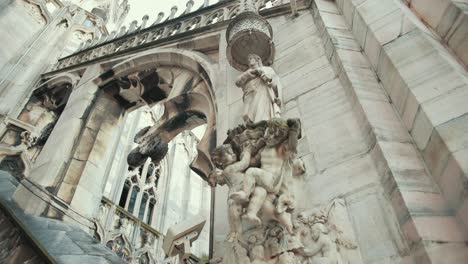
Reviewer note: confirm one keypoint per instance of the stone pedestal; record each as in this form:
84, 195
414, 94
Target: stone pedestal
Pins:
249, 33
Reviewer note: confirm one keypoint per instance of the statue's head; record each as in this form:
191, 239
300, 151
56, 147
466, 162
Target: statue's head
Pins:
315, 232
223, 156
276, 132
254, 61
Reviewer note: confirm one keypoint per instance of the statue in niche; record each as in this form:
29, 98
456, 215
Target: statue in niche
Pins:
262, 91
39, 113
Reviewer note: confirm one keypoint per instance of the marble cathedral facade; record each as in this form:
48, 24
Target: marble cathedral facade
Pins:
303, 131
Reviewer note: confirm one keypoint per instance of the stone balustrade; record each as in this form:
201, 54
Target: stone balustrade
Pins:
161, 30
127, 236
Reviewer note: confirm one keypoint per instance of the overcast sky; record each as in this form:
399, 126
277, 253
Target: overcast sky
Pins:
139, 8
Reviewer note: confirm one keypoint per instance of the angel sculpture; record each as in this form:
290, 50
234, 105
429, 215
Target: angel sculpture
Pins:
322, 240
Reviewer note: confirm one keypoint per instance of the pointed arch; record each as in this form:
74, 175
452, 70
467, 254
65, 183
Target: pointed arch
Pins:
186, 105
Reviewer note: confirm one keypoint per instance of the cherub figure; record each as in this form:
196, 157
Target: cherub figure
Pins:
273, 178
255, 247
232, 174
324, 250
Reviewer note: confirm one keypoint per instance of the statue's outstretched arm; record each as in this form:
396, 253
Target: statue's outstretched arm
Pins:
243, 164
252, 125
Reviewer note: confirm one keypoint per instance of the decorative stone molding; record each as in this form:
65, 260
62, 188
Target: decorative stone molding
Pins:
188, 23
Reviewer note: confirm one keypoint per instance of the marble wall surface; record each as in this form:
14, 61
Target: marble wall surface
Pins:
380, 87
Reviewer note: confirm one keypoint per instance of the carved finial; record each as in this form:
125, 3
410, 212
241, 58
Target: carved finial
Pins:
133, 26
144, 19
159, 18
112, 35
189, 6
173, 12
82, 44
123, 29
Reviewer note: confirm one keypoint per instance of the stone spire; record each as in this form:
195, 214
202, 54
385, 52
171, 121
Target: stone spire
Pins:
173, 12
189, 6
159, 18
144, 21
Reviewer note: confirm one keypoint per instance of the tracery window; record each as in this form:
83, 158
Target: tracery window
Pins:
193, 24
213, 19
139, 192
157, 35
174, 30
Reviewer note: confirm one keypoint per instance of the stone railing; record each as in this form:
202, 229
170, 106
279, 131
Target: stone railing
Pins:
126, 235
138, 36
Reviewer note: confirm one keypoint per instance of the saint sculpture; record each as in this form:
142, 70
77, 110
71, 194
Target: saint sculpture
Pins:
262, 91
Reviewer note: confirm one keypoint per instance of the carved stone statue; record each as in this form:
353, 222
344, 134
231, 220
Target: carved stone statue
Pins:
258, 161
262, 91
232, 174
272, 178
322, 239
323, 250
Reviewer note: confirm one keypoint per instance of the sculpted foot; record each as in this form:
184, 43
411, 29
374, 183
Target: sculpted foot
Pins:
251, 218
238, 196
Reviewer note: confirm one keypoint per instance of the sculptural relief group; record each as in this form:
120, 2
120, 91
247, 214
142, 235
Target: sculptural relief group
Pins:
258, 162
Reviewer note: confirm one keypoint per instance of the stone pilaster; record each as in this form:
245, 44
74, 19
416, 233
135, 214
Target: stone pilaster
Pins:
69, 173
